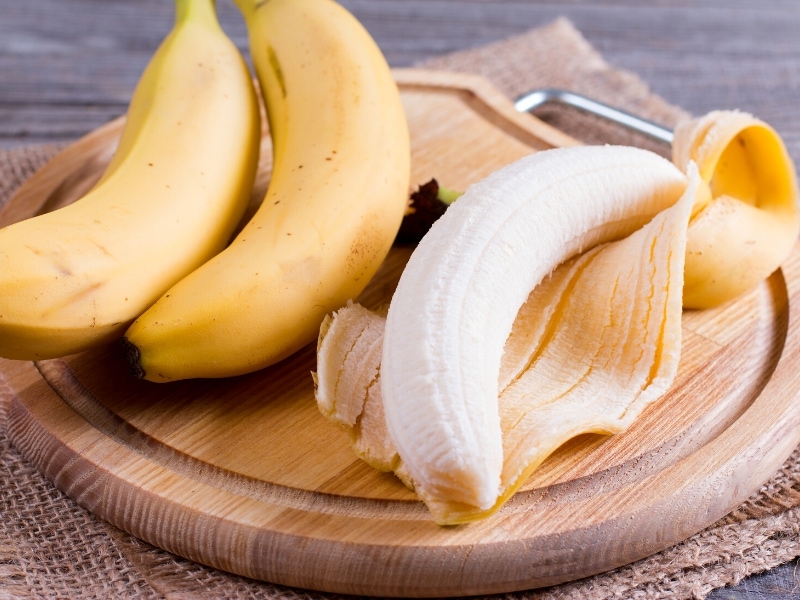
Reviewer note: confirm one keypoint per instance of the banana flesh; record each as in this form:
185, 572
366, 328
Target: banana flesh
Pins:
169, 200
334, 204
347, 382
492, 354
749, 222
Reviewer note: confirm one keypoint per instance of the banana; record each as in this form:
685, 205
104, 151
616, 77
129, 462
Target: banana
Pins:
492, 354
334, 204
749, 223
598, 337
170, 198
463, 286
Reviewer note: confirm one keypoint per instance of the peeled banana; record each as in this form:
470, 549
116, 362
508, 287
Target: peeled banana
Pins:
169, 200
598, 340
472, 389
464, 284
338, 192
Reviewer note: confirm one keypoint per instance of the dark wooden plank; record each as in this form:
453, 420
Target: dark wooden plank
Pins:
780, 583
80, 52
701, 56
52, 123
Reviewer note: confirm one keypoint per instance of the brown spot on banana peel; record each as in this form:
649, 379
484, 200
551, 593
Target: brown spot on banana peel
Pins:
366, 248
275, 64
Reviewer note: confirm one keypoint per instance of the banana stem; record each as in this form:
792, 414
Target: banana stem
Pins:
196, 11
248, 7
448, 196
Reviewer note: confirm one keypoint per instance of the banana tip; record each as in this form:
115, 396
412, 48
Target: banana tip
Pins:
132, 355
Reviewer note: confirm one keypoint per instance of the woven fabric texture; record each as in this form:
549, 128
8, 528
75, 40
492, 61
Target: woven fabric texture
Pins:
52, 548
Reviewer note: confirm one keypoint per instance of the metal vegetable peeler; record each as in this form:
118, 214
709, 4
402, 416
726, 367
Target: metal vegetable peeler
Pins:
536, 98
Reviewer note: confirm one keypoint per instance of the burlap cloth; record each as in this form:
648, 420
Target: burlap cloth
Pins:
52, 548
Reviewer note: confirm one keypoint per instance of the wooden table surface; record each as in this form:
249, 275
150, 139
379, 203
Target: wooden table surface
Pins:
68, 66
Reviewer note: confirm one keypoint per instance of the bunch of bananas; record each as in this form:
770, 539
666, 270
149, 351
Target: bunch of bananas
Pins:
147, 254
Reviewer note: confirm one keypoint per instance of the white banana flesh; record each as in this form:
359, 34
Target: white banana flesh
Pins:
614, 371
464, 284
172, 195
463, 443
337, 195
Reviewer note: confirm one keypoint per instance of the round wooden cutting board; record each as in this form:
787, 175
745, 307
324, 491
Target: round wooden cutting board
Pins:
245, 475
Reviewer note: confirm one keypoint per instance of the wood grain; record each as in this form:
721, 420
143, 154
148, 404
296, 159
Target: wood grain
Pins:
244, 474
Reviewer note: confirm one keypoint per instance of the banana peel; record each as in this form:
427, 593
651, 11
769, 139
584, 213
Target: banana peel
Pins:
748, 221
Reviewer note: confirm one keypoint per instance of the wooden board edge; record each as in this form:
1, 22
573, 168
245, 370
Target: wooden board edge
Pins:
76, 158
488, 101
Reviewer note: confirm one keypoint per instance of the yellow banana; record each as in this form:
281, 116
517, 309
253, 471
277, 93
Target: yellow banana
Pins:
749, 223
491, 356
169, 200
334, 204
